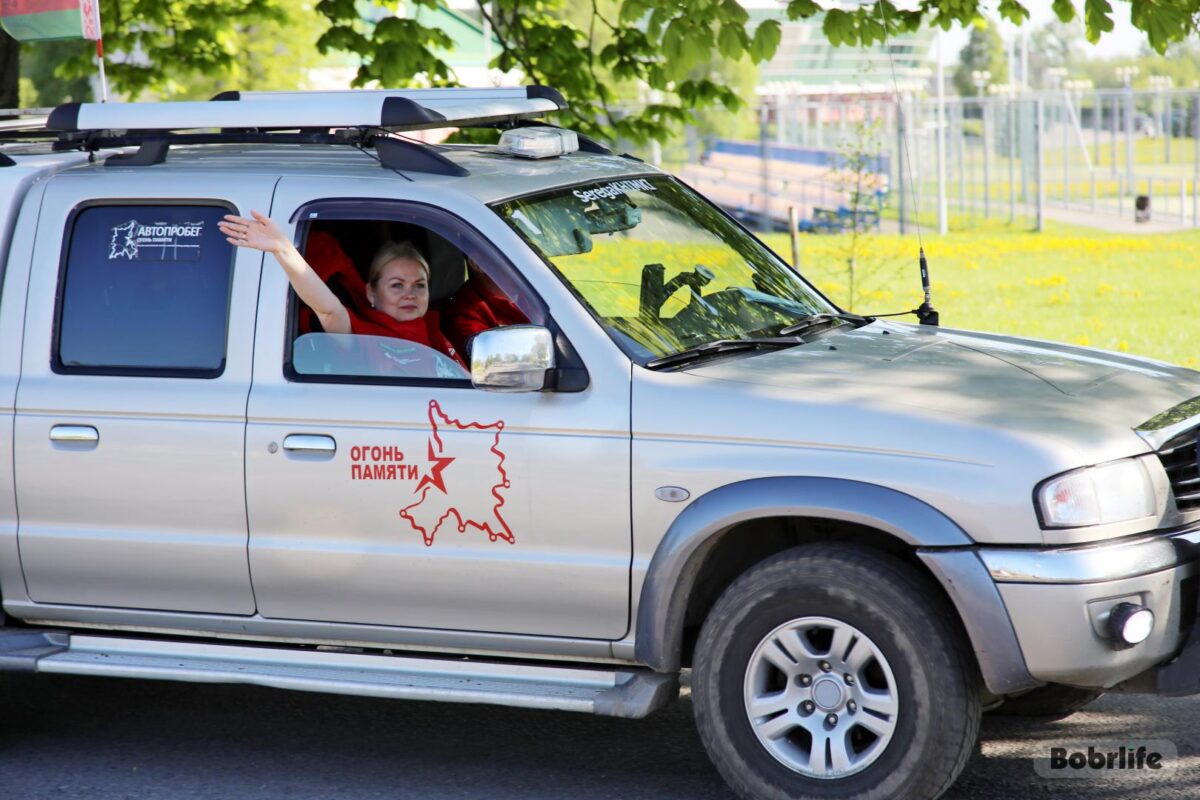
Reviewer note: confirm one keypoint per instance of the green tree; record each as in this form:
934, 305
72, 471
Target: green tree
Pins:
272, 45
272, 55
156, 46
1055, 44
1181, 62
656, 44
659, 43
40, 63
984, 50
862, 185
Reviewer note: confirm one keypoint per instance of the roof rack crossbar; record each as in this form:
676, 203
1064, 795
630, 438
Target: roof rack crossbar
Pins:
424, 96
23, 123
359, 118
394, 153
400, 110
95, 140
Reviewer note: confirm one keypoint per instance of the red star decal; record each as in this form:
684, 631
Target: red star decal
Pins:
435, 474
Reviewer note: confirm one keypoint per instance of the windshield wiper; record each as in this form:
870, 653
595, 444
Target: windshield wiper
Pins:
721, 346
813, 320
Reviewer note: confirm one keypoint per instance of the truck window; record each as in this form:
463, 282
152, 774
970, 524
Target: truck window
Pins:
460, 299
661, 268
144, 290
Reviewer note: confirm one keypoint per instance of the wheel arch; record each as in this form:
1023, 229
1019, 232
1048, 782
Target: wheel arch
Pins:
724, 532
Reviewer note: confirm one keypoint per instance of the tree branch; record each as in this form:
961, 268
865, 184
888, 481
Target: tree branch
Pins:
502, 39
591, 59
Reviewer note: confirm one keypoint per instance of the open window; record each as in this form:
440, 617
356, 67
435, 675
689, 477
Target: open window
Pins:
471, 288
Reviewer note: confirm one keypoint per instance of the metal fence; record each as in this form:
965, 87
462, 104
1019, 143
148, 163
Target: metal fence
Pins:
1104, 158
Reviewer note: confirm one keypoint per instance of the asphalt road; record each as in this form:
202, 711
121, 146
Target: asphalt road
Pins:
105, 739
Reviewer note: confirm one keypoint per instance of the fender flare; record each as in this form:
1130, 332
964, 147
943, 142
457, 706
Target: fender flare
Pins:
672, 573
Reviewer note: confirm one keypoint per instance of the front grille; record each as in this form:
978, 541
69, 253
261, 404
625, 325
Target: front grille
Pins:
1179, 458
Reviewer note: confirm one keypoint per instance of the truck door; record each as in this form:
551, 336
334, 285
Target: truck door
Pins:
385, 490
130, 413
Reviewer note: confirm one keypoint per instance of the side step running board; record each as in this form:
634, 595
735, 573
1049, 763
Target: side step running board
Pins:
605, 691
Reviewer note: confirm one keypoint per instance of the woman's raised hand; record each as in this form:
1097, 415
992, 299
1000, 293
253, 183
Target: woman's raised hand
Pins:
259, 233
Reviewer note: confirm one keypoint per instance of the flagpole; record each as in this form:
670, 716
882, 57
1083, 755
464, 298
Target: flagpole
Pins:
103, 77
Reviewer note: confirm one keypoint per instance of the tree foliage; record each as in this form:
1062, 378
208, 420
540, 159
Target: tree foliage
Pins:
182, 49
632, 69
984, 51
1057, 44
42, 63
163, 43
1163, 21
661, 45
260, 44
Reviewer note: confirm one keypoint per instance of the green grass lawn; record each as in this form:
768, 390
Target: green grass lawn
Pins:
1135, 294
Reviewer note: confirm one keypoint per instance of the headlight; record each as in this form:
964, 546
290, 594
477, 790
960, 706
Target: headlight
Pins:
1115, 492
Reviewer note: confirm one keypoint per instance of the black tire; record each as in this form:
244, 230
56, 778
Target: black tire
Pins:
936, 681
1050, 702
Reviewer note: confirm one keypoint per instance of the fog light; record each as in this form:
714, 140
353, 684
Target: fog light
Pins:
1130, 624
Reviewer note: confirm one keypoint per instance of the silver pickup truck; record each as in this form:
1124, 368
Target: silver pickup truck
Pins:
653, 449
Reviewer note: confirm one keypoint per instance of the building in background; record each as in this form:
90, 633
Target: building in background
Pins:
807, 65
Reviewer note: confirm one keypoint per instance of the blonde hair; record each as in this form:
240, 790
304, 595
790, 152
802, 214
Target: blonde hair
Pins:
389, 252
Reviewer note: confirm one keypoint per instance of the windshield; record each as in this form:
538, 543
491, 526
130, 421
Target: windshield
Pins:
660, 267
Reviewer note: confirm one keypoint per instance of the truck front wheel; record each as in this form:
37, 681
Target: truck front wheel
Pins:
831, 671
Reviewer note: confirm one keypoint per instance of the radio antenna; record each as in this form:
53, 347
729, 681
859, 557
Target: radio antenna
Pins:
926, 314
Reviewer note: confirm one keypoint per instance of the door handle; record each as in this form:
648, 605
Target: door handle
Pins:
309, 443
75, 434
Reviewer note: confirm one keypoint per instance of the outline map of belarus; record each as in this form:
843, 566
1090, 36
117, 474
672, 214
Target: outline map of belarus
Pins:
446, 490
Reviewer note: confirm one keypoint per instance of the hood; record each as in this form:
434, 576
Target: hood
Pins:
1088, 400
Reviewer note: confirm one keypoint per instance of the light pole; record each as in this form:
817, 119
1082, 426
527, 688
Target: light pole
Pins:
1057, 76
1007, 90
942, 213
1160, 83
981, 78
1073, 96
1127, 74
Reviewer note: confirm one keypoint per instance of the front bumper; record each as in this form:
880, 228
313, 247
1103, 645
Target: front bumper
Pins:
1059, 600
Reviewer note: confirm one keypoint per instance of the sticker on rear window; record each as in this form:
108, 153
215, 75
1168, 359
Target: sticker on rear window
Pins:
156, 241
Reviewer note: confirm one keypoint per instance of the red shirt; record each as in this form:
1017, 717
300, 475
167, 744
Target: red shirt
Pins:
475, 309
425, 330
330, 261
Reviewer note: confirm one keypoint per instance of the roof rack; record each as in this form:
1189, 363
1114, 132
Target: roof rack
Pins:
18, 125
358, 118
398, 110
21, 123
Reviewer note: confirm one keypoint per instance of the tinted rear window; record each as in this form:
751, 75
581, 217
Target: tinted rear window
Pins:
146, 291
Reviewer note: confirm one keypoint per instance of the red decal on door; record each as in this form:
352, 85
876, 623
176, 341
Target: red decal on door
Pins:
380, 463
448, 489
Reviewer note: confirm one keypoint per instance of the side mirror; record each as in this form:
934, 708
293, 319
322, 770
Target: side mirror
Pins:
515, 358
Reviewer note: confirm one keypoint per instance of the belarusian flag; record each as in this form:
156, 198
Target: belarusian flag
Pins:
35, 20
